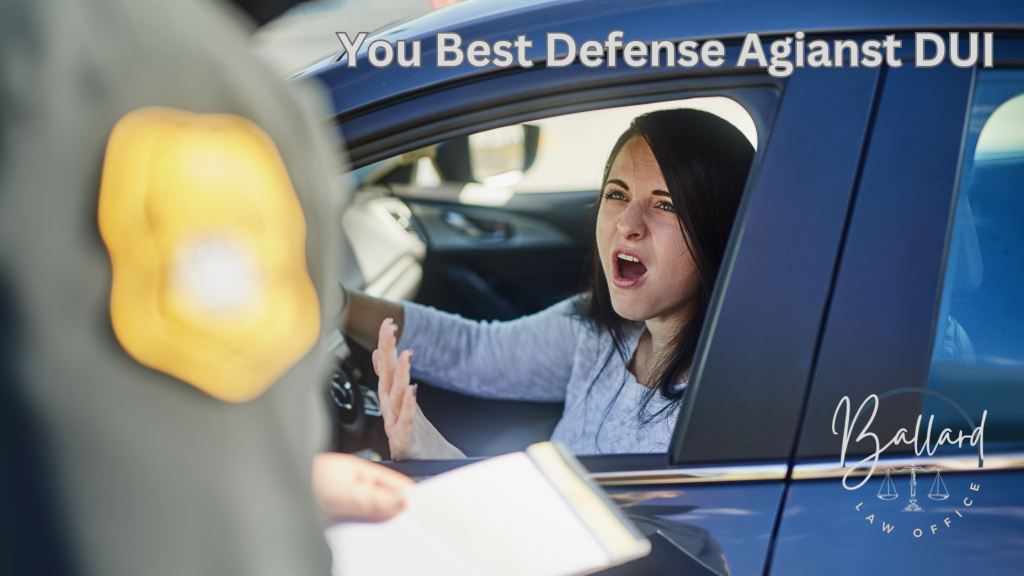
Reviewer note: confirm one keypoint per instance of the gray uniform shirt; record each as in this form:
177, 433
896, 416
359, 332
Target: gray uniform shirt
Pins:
107, 467
550, 356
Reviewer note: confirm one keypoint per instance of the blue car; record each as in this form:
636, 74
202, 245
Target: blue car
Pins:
875, 271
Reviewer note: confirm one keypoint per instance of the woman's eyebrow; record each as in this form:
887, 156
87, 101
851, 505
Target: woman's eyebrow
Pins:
658, 193
619, 183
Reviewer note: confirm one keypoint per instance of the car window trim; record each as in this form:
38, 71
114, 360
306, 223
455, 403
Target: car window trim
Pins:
960, 463
628, 472
757, 93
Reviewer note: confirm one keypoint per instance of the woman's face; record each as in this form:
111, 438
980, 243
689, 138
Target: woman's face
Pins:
650, 271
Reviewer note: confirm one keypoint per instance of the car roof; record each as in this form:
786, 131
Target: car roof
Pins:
492, 20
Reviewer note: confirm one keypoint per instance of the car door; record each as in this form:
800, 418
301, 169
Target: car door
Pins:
710, 506
926, 316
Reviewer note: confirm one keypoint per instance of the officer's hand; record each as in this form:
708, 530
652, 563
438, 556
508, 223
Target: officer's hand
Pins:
351, 488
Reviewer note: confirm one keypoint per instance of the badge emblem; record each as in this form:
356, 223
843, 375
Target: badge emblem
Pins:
206, 238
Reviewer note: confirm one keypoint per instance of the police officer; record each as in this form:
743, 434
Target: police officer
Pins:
169, 246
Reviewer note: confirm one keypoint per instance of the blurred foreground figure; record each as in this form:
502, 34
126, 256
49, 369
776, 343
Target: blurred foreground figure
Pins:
168, 244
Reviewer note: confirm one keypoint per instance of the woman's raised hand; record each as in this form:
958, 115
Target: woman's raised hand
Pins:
410, 435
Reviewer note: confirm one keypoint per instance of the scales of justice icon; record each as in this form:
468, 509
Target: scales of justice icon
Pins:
938, 491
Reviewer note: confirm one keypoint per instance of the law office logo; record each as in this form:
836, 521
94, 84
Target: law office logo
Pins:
889, 490
937, 492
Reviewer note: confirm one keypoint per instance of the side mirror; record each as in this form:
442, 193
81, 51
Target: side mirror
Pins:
507, 151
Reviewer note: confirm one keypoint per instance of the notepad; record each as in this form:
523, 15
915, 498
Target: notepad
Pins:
528, 513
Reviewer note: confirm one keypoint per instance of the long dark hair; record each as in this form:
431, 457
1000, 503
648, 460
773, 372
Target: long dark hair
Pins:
705, 161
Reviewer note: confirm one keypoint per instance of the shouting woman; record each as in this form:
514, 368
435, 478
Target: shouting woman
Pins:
619, 354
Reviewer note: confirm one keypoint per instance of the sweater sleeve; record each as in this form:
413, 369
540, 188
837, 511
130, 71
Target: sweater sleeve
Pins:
530, 358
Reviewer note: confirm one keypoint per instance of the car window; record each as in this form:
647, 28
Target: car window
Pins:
583, 140
504, 223
978, 354
558, 154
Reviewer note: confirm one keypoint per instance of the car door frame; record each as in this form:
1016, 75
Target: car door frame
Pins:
886, 298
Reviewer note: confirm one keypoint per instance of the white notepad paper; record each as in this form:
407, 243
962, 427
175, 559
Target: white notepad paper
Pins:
527, 513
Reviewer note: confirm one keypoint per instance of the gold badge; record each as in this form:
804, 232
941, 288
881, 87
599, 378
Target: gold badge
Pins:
207, 243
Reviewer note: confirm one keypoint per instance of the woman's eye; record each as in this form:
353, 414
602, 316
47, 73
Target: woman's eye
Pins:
614, 195
666, 207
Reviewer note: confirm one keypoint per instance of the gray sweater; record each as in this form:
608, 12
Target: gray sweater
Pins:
550, 356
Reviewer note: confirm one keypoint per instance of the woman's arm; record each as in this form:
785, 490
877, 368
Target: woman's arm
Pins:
530, 358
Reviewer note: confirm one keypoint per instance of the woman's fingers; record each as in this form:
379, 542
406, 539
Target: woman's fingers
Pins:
387, 339
400, 382
400, 427
397, 397
407, 418
385, 358
383, 384
403, 431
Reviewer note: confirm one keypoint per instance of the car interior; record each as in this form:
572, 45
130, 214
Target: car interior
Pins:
492, 225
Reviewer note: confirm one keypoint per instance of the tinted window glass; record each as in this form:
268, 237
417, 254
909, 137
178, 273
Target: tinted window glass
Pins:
978, 357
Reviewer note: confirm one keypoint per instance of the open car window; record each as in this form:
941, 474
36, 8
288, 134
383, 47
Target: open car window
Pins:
557, 154
506, 220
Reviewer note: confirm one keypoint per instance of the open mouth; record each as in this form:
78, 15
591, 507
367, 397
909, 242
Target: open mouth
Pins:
628, 269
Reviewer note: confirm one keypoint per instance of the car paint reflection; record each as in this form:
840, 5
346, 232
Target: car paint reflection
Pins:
823, 531
702, 529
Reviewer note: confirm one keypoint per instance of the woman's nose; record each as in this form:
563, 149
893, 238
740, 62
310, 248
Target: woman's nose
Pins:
631, 224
